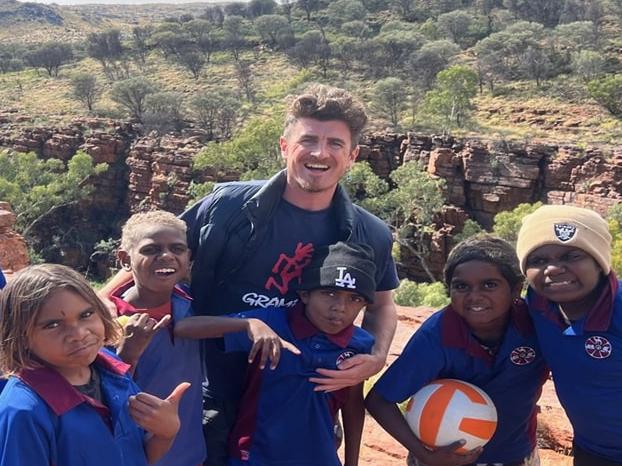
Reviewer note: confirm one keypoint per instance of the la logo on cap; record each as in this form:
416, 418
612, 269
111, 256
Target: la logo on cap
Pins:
564, 231
345, 280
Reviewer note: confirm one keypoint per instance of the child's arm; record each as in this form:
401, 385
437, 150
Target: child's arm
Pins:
353, 414
138, 330
388, 415
265, 341
159, 418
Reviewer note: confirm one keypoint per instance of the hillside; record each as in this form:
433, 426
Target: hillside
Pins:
532, 77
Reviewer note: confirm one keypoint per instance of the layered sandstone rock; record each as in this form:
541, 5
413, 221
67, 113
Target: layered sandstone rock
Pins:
13, 248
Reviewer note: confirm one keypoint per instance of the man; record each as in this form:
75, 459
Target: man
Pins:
251, 241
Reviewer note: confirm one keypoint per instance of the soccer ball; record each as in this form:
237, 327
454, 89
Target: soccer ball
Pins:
447, 410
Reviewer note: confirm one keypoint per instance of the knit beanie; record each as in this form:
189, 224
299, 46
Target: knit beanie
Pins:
346, 266
568, 226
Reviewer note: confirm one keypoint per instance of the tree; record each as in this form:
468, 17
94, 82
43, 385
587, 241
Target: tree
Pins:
192, 60
85, 89
38, 189
546, 12
342, 11
506, 224
202, 36
312, 48
410, 209
356, 29
389, 99
396, 46
215, 15
614, 219
271, 28
140, 42
131, 94
455, 25
607, 92
235, 29
424, 64
587, 64
449, 102
164, 111
257, 8
421, 294
254, 152
364, 187
50, 56
106, 48
535, 64
244, 73
308, 6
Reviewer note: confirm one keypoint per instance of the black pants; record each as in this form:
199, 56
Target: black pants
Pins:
583, 458
218, 419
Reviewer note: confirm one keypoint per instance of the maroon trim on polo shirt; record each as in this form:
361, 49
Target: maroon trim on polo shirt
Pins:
455, 331
59, 394
598, 318
302, 327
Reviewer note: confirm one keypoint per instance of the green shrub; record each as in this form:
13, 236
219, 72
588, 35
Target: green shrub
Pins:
421, 294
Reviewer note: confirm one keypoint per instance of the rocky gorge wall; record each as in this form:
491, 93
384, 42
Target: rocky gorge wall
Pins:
483, 177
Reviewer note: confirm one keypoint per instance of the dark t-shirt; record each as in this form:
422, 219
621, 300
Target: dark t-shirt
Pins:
270, 277
2, 280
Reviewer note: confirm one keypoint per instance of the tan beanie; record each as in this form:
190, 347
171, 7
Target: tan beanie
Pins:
567, 226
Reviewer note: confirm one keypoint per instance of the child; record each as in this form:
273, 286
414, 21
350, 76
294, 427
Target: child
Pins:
484, 337
66, 402
283, 418
153, 248
576, 305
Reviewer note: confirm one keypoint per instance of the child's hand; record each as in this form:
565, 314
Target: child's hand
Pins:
266, 343
158, 417
138, 330
447, 456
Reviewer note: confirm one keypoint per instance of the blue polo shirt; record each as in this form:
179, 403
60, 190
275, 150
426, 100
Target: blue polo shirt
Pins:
165, 363
2, 280
586, 362
281, 420
443, 347
44, 421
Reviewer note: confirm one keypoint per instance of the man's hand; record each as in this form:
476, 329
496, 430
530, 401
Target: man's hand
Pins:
266, 343
351, 371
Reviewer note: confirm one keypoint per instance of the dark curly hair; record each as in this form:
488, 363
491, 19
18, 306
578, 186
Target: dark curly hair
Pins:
324, 103
485, 248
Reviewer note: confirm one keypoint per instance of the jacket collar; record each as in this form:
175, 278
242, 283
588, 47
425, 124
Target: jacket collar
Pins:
455, 332
597, 319
58, 393
303, 328
264, 203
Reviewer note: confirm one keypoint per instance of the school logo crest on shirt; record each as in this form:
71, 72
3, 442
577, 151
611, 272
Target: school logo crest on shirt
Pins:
343, 356
598, 347
345, 280
564, 231
522, 355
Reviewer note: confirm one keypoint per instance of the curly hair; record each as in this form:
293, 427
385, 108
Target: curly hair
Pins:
22, 299
485, 248
324, 103
132, 231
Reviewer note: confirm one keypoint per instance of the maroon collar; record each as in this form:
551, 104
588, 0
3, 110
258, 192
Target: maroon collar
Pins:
303, 328
123, 307
597, 319
58, 393
455, 332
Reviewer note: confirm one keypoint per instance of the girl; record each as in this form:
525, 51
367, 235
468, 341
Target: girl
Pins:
484, 337
575, 301
66, 402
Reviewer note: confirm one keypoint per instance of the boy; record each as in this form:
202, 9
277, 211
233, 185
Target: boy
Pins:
154, 249
283, 417
575, 301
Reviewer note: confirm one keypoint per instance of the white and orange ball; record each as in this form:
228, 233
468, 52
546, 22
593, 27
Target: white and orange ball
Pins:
447, 410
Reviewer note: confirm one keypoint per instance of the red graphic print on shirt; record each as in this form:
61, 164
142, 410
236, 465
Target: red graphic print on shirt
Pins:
289, 268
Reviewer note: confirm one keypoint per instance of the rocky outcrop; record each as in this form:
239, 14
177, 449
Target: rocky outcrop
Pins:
13, 248
482, 177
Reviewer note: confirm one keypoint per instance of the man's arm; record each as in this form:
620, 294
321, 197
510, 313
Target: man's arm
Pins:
380, 320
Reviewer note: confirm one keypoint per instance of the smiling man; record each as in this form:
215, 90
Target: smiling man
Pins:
252, 240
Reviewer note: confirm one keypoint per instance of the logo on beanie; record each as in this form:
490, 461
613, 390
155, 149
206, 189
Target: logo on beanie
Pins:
345, 280
598, 347
564, 231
